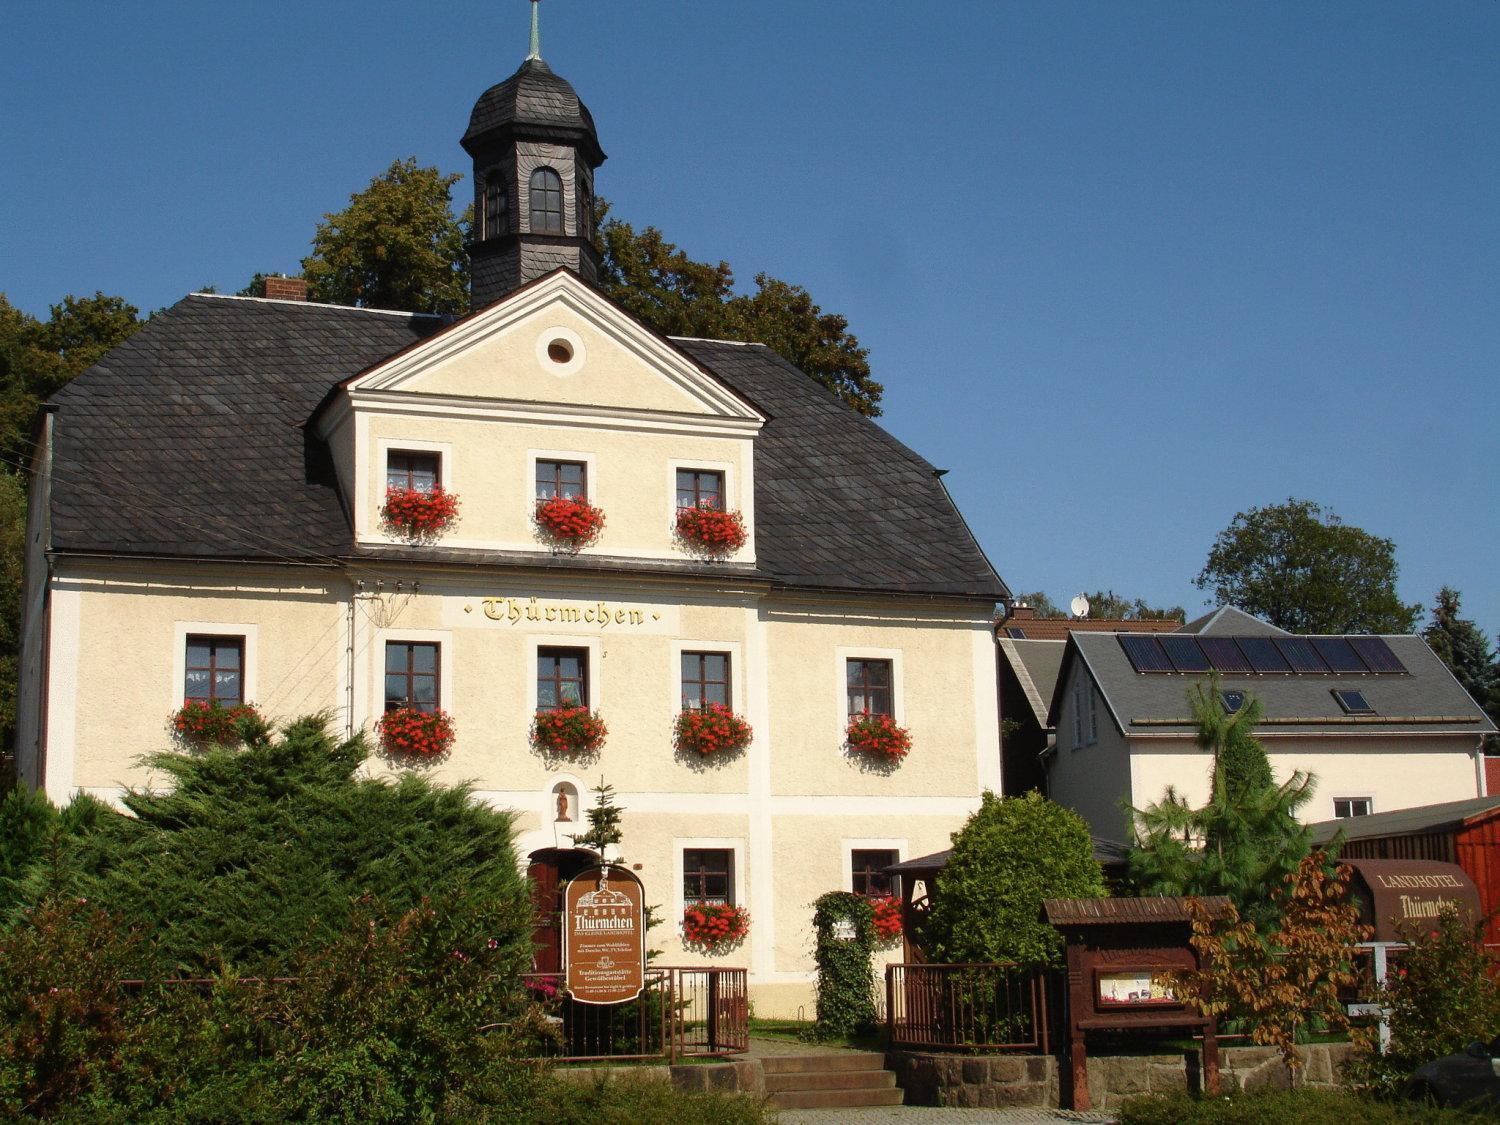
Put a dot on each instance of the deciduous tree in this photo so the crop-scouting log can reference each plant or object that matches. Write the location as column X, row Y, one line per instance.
column 1303, row 569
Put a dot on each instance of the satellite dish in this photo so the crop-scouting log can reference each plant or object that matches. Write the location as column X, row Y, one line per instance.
column 1080, row 606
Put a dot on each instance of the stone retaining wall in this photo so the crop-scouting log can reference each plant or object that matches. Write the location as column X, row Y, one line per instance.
column 930, row 1078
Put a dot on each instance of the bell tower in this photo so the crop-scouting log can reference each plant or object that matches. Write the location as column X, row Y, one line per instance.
column 535, row 153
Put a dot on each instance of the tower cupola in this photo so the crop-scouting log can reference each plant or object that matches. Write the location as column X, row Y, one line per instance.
column 535, row 152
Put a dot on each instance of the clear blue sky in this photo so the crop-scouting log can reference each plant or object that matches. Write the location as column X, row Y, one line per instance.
column 1125, row 269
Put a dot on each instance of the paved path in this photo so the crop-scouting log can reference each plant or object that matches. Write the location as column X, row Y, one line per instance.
column 915, row 1114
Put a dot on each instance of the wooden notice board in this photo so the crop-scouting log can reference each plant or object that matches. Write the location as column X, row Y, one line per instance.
column 604, row 936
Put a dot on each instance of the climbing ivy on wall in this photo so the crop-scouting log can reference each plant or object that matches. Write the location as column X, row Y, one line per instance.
column 844, row 925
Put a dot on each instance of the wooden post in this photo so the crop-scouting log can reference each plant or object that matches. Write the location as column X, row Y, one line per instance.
column 1079, row 1058
column 713, row 1011
column 1211, row 1086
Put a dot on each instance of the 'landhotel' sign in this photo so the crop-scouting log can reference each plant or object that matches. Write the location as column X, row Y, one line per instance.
column 1395, row 894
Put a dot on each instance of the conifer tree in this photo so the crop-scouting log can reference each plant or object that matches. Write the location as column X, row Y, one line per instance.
column 1462, row 645
column 604, row 823
column 1245, row 841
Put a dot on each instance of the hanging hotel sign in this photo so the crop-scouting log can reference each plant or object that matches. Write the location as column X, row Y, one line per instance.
column 604, row 936
column 1397, row 896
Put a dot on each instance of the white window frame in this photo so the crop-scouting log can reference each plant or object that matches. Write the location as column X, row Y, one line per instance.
column 731, row 496
column 732, row 649
column 1369, row 807
column 443, row 638
column 248, row 634
column 736, row 845
column 850, row 846
column 595, row 647
column 842, row 656
column 590, row 472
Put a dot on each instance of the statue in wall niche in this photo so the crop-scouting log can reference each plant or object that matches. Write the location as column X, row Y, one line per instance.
column 563, row 812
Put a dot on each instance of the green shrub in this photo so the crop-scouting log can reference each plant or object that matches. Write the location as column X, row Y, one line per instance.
column 1444, row 995
column 846, row 977
column 255, row 853
column 1009, row 856
column 639, row 1100
column 1283, row 1107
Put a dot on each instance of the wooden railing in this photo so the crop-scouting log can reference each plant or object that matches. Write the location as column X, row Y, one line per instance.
column 993, row 1006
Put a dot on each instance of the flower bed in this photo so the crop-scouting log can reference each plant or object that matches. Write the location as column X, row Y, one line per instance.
column 570, row 731
column 410, row 733
column 887, row 919
column 569, row 522
column 201, row 723
column 710, row 531
column 712, row 730
column 714, row 926
column 417, row 511
column 878, row 736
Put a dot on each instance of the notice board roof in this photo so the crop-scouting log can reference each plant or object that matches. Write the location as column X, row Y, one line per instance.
column 1121, row 911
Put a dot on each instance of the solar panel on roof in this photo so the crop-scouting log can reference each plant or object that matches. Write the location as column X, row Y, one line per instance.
column 1224, row 654
column 1263, row 654
column 1145, row 654
column 1376, row 654
column 1185, row 654
column 1300, row 654
column 1338, row 654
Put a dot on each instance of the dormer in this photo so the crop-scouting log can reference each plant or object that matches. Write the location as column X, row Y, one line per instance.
column 550, row 391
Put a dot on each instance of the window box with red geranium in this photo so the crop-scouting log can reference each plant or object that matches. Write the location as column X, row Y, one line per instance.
column 887, row 920
column 419, row 513
column 706, row 529
column 714, row 927
column 569, row 522
column 201, row 722
column 710, row 731
column 409, row 732
column 878, row 736
column 569, row 731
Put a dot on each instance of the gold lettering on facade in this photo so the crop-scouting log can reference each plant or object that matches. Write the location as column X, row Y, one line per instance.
column 512, row 611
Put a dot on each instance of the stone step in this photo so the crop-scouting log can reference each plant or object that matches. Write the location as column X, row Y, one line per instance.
column 835, row 1099
column 843, row 1060
column 830, row 1080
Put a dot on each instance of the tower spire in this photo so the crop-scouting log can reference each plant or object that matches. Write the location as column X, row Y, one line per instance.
column 536, row 33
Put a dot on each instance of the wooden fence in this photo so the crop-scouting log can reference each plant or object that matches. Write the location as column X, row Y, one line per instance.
column 993, row 1006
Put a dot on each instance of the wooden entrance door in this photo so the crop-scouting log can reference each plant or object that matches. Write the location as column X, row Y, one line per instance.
column 549, row 872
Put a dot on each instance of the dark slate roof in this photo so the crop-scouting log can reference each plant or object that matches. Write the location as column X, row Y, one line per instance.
column 1426, row 699
column 190, row 440
column 1231, row 622
column 532, row 99
column 1404, row 822
column 838, row 501
column 1036, row 665
column 1106, row 853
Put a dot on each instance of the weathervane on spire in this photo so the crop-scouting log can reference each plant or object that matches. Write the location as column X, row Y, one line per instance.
column 536, row 33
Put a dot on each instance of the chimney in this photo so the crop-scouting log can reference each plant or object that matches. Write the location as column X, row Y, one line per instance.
column 286, row 288
column 1020, row 611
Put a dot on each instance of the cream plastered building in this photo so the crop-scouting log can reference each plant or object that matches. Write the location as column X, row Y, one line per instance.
column 1380, row 722
column 207, row 511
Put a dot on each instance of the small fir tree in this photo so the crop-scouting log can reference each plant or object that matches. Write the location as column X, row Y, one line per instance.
column 604, row 823
column 1463, row 647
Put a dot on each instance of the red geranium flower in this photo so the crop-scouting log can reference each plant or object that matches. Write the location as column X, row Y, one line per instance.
column 408, row 732
column 714, row 926
column 712, row 729
column 709, row 530
column 201, row 723
column 887, row 919
column 568, row 730
column 878, row 736
column 419, row 512
column 570, row 522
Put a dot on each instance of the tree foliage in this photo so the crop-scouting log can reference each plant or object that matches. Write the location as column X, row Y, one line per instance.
column 604, row 823
column 657, row 282
column 1012, row 853
column 1463, row 647
column 1245, row 841
column 1303, row 569
column 1277, row 983
column 397, row 245
column 253, row 852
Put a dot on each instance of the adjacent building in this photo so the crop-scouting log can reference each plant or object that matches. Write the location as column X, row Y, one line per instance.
column 209, row 523
column 1380, row 721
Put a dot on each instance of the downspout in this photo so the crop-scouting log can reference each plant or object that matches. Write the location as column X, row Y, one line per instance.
column 355, row 588
column 1479, row 770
